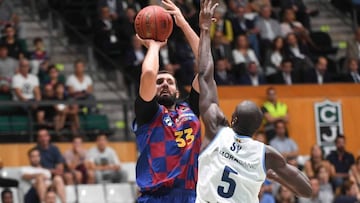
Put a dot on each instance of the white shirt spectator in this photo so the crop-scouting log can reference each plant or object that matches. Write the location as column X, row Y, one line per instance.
column 26, row 85
column 108, row 156
column 30, row 170
column 320, row 78
column 276, row 58
column 240, row 58
column 77, row 85
column 284, row 145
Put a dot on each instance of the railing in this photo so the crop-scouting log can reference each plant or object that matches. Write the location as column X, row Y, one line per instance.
column 127, row 106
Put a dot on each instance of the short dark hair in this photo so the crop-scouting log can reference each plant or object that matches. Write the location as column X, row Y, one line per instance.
column 77, row 61
column 3, row 193
column 101, row 135
column 32, row 150
column 339, row 137
column 79, row 137
column 286, row 60
column 37, row 40
column 277, row 123
column 269, row 89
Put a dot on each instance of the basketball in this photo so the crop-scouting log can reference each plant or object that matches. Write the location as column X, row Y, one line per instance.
column 153, row 22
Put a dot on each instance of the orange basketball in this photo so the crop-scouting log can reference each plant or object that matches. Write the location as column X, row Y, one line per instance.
column 153, row 22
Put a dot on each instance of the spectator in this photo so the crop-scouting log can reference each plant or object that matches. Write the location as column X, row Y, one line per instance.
column 222, row 27
column 43, row 73
column 25, row 85
column 221, row 50
column 285, row 145
column 246, row 28
column 298, row 52
column 302, row 13
column 50, row 197
column 326, row 189
column 127, row 30
column 243, row 53
column 252, row 76
column 273, row 110
column 342, row 161
column 45, row 114
column 40, row 178
column 290, row 25
column 317, row 160
column 286, row 75
column 75, row 164
column 103, row 160
column 50, row 156
column 16, row 47
column 7, row 196
column 269, row 29
column 352, row 48
column 8, row 16
column 38, row 55
column 274, row 56
column 315, row 197
column 8, row 68
column 353, row 75
column 80, row 85
column 135, row 4
column 355, row 172
column 348, row 193
column 284, row 195
column 116, row 9
column 65, row 112
column 107, row 33
column 319, row 74
column 223, row 75
column 54, row 77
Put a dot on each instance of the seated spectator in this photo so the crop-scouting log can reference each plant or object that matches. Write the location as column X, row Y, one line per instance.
column 221, row 50
column 43, row 73
column 246, row 28
column 80, row 85
column 116, row 9
column 290, row 25
column 103, row 160
column 348, row 193
column 298, row 52
column 284, row 195
column 7, row 196
column 38, row 55
column 326, row 189
column 40, row 178
column 273, row 110
column 50, row 196
column 342, row 161
column 315, row 196
column 355, row 172
column 353, row 75
column 252, row 76
column 54, row 77
column 319, row 74
column 64, row 112
column 50, row 156
column 285, row 145
column 75, row 164
column 243, row 53
column 352, row 48
column 274, row 56
column 222, row 73
column 25, row 85
column 286, row 75
column 45, row 114
column 269, row 29
column 16, row 47
column 223, row 27
column 8, row 68
column 317, row 160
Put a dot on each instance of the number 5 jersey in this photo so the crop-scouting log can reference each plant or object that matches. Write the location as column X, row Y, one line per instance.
column 231, row 169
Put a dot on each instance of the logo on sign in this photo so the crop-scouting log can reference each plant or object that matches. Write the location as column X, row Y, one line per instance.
column 329, row 125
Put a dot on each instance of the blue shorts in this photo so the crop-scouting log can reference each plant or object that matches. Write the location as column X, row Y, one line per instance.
column 174, row 196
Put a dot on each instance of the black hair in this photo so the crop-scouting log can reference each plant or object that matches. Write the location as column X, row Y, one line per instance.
column 3, row 193
column 32, row 150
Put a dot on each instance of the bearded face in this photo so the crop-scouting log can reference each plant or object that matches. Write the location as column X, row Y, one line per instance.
column 166, row 89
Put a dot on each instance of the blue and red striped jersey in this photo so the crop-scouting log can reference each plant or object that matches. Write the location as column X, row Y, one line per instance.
column 169, row 147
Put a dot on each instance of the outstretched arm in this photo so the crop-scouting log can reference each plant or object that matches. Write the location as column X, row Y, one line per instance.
column 286, row 174
column 149, row 70
column 210, row 112
column 189, row 33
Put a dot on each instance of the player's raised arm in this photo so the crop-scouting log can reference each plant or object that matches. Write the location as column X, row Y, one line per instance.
column 189, row 33
column 286, row 174
column 208, row 103
column 149, row 70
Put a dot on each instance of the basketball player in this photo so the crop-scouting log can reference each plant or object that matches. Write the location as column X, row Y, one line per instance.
column 233, row 167
column 167, row 132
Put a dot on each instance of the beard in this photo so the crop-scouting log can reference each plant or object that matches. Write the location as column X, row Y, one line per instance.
column 167, row 100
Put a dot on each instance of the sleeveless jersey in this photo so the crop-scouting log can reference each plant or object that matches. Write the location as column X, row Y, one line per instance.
column 231, row 169
column 169, row 147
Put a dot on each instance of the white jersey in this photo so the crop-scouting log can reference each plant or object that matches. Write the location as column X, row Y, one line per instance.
column 231, row 169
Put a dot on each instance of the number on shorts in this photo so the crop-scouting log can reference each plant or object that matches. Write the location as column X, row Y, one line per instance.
column 232, row 184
